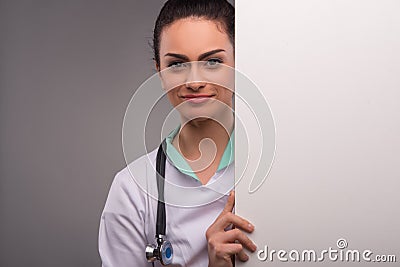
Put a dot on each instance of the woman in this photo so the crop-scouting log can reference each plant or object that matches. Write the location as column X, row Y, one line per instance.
column 187, row 32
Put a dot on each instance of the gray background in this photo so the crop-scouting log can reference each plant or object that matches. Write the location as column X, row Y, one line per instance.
column 330, row 71
column 67, row 72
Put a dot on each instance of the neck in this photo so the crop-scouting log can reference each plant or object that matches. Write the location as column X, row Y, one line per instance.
column 202, row 141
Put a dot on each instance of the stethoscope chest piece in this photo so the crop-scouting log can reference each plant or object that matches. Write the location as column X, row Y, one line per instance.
column 162, row 252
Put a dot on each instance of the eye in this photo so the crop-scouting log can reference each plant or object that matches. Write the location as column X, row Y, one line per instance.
column 213, row 62
column 177, row 64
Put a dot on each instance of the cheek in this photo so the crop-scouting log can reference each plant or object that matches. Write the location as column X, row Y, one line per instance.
column 225, row 95
column 173, row 97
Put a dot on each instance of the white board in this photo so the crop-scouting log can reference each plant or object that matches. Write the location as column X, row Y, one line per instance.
column 330, row 71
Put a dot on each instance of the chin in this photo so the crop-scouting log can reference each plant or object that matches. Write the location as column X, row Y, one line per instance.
column 213, row 111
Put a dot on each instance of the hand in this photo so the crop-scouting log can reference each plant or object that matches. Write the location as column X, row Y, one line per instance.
column 224, row 244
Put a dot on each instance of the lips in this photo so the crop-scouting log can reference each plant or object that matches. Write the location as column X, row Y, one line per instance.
column 197, row 98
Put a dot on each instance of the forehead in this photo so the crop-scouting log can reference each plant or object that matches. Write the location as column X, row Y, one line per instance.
column 193, row 36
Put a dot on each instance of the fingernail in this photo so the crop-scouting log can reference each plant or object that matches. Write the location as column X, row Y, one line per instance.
column 251, row 227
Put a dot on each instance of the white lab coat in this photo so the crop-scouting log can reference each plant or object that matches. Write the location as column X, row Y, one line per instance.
column 128, row 220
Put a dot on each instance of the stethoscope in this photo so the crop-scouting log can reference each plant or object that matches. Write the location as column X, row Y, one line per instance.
column 162, row 250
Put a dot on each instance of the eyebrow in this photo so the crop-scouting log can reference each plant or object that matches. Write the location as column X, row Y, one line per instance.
column 201, row 57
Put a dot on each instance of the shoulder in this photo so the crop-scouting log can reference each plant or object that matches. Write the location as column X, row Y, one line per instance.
column 131, row 184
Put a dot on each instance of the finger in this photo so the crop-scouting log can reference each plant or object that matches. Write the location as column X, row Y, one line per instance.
column 242, row 256
column 236, row 235
column 229, row 218
column 230, row 203
column 232, row 248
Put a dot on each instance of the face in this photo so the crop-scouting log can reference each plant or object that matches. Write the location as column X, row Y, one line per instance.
column 196, row 67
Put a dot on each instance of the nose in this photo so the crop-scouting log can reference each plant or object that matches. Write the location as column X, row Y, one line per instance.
column 195, row 86
column 194, row 81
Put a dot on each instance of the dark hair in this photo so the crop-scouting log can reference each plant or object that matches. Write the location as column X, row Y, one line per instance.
column 218, row 10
